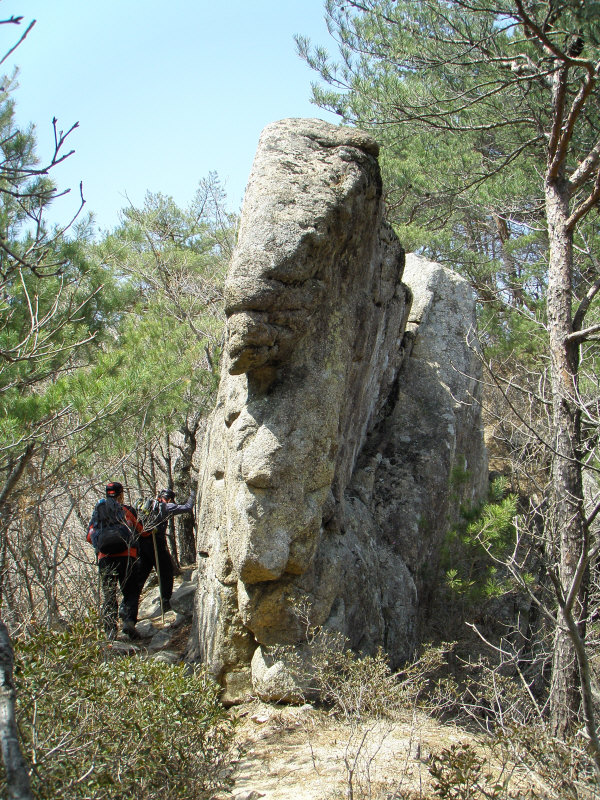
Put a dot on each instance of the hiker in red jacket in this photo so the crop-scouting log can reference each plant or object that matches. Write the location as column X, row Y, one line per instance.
column 114, row 531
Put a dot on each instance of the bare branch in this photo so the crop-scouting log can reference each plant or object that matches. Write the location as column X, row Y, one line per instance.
column 582, row 335
column 16, row 20
column 585, row 304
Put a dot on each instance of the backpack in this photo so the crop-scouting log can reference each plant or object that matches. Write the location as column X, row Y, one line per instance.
column 111, row 533
column 148, row 514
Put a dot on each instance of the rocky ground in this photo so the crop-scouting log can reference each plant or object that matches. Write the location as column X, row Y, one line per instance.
column 303, row 752
column 161, row 635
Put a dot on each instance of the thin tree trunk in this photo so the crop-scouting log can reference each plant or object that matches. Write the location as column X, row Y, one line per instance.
column 17, row 774
column 184, row 484
column 14, row 476
column 168, row 466
column 567, row 509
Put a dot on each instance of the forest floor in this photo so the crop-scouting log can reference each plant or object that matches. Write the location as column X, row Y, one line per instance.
column 307, row 753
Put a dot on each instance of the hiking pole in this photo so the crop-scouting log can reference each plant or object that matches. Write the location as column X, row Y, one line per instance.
column 156, row 566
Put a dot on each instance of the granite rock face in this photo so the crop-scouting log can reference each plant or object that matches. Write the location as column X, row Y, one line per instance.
column 328, row 456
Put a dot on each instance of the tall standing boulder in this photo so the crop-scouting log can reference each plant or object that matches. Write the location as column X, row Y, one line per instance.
column 293, row 509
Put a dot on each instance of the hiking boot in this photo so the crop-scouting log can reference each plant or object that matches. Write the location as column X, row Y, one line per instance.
column 129, row 629
column 156, row 611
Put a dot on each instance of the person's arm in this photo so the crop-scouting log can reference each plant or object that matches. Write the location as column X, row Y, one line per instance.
column 90, row 531
column 173, row 509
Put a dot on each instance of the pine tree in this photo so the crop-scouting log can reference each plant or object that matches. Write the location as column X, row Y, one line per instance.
column 489, row 115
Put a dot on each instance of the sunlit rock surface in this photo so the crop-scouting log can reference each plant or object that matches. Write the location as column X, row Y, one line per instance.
column 341, row 416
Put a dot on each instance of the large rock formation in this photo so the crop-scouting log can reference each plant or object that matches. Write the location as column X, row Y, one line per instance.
column 328, row 458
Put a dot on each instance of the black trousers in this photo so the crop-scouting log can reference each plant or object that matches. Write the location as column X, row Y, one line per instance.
column 122, row 572
column 147, row 563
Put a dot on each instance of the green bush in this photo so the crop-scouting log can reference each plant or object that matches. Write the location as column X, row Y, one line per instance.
column 96, row 724
column 459, row 773
column 484, row 535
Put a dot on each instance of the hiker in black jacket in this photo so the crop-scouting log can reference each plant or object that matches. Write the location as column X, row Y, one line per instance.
column 157, row 518
column 117, row 562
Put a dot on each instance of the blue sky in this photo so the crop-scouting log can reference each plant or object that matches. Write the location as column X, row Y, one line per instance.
column 164, row 92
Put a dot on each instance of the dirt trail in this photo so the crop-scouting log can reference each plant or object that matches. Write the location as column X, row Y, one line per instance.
column 303, row 753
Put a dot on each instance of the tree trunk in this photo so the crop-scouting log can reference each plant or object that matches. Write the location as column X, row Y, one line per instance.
column 168, row 466
column 17, row 775
column 566, row 519
column 184, row 484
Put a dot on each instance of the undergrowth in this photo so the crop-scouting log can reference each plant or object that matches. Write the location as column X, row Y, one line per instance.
column 96, row 724
column 511, row 757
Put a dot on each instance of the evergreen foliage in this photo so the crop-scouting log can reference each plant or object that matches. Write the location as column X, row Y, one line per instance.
column 489, row 116
column 474, row 549
column 461, row 116
column 50, row 307
column 165, row 351
column 106, row 348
